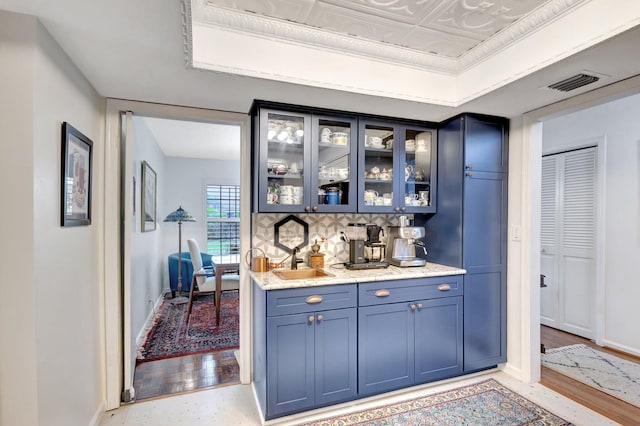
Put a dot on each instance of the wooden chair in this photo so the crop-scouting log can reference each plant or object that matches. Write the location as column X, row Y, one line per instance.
column 204, row 279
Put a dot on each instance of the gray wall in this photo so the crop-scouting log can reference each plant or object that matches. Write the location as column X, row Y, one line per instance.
column 51, row 315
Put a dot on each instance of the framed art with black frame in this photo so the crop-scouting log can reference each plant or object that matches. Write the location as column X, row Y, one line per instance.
column 75, row 194
column 148, row 199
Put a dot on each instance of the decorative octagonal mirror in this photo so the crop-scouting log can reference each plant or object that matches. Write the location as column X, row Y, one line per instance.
column 291, row 232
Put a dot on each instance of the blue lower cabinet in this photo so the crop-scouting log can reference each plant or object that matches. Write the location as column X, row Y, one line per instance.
column 402, row 344
column 385, row 348
column 311, row 360
column 439, row 339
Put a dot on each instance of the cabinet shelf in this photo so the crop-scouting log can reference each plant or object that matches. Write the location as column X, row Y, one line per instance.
column 287, row 176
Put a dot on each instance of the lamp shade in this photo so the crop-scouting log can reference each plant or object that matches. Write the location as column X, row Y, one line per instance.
column 180, row 215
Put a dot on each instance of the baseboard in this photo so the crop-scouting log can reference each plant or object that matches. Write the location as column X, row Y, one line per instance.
column 512, row 371
column 148, row 323
column 622, row 348
column 96, row 419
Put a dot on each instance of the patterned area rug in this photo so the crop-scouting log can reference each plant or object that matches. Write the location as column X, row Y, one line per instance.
column 610, row 374
column 170, row 337
column 487, row 403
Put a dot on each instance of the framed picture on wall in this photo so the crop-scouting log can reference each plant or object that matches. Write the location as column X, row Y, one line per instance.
column 75, row 194
column 148, row 198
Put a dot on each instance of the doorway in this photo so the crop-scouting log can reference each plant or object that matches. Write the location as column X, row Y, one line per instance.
column 120, row 351
column 196, row 168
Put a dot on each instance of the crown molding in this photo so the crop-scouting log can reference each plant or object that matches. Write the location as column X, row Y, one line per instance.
column 533, row 21
column 206, row 12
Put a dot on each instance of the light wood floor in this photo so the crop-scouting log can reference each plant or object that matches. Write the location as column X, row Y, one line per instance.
column 183, row 374
column 607, row 405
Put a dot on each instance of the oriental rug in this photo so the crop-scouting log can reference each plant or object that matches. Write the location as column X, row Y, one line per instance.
column 608, row 373
column 169, row 335
column 486, row 403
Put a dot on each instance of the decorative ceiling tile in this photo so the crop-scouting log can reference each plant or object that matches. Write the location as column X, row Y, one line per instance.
column 355, row 23
column 478, row 19
column 291, row 10
column 408, row 11
column 437, row 42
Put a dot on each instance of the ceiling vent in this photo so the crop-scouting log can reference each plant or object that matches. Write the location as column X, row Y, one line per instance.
column 574, row 82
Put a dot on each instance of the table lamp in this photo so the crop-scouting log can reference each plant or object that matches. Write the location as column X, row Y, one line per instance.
column 179, row 216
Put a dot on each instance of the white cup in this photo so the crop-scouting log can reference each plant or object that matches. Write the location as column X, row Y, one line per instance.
column 286, row 190
column 297, row 191
column 286, row 199
column 325, row 135
column 375, row 142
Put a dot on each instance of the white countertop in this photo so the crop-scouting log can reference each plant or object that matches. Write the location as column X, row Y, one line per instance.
column 340, row 275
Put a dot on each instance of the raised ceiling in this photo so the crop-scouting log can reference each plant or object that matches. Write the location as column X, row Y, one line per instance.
column 439, row 27
column 136, row 50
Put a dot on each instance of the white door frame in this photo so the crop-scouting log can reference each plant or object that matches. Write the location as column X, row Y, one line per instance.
column 524, row 271
column 113, row 286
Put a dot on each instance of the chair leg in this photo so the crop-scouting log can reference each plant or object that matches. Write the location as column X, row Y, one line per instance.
column 193, row 282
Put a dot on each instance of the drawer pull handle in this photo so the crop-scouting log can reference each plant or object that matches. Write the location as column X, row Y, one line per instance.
column 312, row 300
column 383, row 292
column 311, row 318
column 444, row 287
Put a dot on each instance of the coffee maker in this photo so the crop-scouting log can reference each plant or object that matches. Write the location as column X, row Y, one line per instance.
column 402, row 242
column 359, row 237
column 374, row 248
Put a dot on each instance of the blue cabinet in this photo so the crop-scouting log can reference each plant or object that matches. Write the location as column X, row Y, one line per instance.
column 308, row 356
column 469, row 229
column 404, row 340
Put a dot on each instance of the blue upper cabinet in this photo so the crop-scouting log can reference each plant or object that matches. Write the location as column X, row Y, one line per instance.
column 484, row 148
column 398, row 167
column 311, row 160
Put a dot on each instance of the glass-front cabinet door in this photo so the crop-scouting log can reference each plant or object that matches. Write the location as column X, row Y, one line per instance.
column 378, row 189
column 284, row 141
column 418, row 153
column 333, row 166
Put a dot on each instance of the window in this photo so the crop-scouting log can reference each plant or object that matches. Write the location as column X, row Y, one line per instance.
column 223, row 223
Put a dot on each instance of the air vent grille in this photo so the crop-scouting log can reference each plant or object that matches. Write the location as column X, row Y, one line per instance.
column 574, row 82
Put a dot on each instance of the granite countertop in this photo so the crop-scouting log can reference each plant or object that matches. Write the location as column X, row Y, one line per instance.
column 340, row 275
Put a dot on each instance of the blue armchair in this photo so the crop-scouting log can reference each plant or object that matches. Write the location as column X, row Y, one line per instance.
column 186, row 269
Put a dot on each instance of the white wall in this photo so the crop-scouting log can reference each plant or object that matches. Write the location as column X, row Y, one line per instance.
column 185, row 186
column 53, row 357
column 18, row 378
column 618, row 123
column 146, row 262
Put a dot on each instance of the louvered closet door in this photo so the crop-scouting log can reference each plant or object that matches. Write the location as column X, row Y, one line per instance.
column 568, row 238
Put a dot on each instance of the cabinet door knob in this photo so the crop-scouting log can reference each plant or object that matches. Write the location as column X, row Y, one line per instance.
column 313, row 299
column 419, row 305
column 469, row 166
column 383, row 292
column 307, row 209
column 403, row 208
column 315, row 208
column 444, row 287
column 320, row 317
column 397, row 209
column 311, row 318
column 412, row 306
column 469, row 174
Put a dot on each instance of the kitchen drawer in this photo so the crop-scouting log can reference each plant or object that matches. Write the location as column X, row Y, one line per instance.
column 380, row 292
column 311, row 299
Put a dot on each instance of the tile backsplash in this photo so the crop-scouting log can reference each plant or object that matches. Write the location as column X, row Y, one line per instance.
column 321, row 226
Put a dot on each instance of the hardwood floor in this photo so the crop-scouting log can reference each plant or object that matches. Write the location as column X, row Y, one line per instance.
column 607, row 405
column 188, row 373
